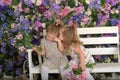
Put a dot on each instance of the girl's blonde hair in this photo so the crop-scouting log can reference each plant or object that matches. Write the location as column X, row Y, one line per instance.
column 55, row 27
column 70, row 38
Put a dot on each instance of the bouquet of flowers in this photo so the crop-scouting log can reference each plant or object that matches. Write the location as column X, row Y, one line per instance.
column 73, row 72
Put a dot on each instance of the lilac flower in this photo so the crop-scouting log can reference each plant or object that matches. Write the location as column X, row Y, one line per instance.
column 48, row 14
column 10, row 12
column 77, row 18
column 9, row 65
column 38, row 24
column 26, row 25
column 22, row 18
column 12, row 41
column 3, row 50
column 18, row 72
column 118, row 7
column 95, row 4
column 3, row 44
column 45, row 2
column 2, row 17
column 1, row 2
column 28, row 2
column 118, row 22
column 4, row 25
column 56, row 8
column 112, row 2
column 113, row 22
column 3, row 8
column 1, row 33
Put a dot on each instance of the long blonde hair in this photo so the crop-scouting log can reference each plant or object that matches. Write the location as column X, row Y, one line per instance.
column 70, row 38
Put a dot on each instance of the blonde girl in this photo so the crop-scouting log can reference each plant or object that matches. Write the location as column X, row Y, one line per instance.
column 53, row 58
column 72, row 45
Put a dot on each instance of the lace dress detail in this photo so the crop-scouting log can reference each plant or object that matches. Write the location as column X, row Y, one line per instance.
column 53, row 57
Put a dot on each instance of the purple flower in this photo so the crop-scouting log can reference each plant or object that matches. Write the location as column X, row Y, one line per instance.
column 1, row 34
column 17, row 13
column 26, row 24
column 22, row 18
column 3, row 8
column 9, row 66
column 38, row 24
column 3, row 44
column 2, row 17
column 12, row 41
column 95, row 4
column 118, row 22
column 4, row 25
column 113, row 22
column 28, row 2
column 10, row 12
column 112, row 2
column 45, row 2
column 118, row 7
column 18, row 72
column 56, row 8
column 3, row 50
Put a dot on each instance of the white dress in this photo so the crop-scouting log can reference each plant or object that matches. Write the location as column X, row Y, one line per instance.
column 74, row 62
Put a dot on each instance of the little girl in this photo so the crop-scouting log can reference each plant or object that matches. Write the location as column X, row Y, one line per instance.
column 52, row 57
column 73, row 46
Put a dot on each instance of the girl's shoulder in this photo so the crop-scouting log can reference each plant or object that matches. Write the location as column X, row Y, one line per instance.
column 43, row 41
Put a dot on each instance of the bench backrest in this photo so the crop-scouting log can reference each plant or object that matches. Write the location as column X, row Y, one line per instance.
column 100, row 40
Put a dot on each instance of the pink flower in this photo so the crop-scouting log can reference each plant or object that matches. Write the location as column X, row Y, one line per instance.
column 79, row 9
column 70, row 23
column 38, row 24
column 20, row 7
column 64, row 12
column 48, row 14
column 19, row 36
column 26, row 10
column 74, row 66
column 83, row 75
column 85, row 19
column 21, row 48
column 7, row 2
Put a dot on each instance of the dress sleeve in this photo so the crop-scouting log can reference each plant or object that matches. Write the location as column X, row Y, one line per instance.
column 42, row 42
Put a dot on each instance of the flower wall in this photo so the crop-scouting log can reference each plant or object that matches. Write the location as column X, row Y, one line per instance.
column 22, row 23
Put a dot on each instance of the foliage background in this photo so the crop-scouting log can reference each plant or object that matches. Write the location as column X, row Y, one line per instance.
column 22, row 23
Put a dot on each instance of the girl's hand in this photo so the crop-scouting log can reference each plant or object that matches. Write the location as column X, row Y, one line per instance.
column 34, row 48
column 56, row 39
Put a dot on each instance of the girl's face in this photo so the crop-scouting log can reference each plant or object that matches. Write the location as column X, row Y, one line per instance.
column 61, row 35
column 51, row 37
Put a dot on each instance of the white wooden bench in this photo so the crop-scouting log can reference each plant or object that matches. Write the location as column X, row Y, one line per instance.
column 102, row 40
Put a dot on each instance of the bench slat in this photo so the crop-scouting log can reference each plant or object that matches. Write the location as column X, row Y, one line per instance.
column 97, row 30
column 106, row 68
column 100, row 40
column 103, row 51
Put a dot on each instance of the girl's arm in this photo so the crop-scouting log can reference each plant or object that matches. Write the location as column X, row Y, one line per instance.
column 81, row 57
column 42, row 52
column 60, row 45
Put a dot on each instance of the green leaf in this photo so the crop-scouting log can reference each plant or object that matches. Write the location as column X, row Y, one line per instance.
column 82, row 1
column 15, row 2
column 102, row 2
column 1, row 55
column 71, row 3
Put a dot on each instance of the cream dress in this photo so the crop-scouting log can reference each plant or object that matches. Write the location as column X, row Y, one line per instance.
column 53, row 58
column 75, row 60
